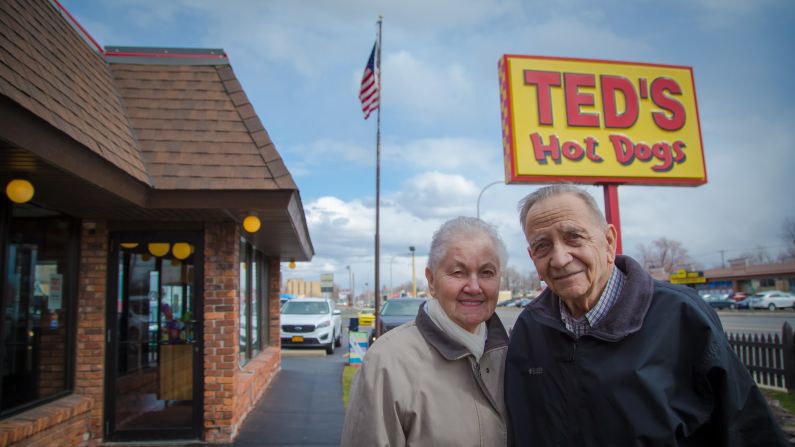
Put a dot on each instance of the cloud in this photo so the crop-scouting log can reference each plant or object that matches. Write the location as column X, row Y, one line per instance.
column 425, row 89
column 451, row 154
column 437, row 195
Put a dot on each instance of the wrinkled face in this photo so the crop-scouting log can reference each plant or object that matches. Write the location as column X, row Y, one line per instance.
column 571, row 250
column 467, row 281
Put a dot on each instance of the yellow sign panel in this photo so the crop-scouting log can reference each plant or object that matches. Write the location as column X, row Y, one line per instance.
column 698, row 280
column 591, row 121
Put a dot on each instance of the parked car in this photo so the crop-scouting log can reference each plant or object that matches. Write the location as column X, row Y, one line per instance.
column 772, row 300
column 366, row 317
column 522, row 302
column 744, row 303
column 396, row 312
column 720, row 301
column 738, row 296
column 311, row 322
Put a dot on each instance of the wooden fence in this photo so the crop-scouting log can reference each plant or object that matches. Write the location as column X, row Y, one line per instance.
column 769, row 358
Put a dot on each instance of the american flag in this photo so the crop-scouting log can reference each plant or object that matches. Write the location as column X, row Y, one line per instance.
column 368, row 93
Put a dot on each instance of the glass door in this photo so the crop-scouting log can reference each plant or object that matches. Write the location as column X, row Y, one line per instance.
column 154, row 347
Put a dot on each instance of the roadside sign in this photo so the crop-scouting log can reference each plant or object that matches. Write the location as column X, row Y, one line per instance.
column 598, row 121
column 327, row 282
column 357, row 346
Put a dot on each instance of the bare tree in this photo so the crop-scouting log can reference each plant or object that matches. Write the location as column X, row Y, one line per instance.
column 666, row 254
column 759, row 255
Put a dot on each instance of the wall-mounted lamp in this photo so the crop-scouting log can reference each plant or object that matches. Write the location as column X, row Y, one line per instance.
column 181, row 250
column 291, row 264
column 19, row 191
column 251, row 223
column 158, row 249
column 129, row 245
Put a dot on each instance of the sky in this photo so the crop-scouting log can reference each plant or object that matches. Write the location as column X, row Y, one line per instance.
column 301, row 62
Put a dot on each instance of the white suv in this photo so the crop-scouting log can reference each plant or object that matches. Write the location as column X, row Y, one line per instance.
column 311, row 322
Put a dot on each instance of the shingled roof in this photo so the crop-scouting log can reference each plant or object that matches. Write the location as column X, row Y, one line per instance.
column 137, row 133
column 48, row 69
column 195, row 125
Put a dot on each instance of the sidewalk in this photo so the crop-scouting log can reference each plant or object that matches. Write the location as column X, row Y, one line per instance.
column 303, row 405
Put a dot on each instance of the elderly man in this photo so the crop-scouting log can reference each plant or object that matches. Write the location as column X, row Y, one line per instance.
column 607, row 356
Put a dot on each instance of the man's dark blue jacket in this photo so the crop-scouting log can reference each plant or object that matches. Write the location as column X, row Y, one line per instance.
column 656, row 371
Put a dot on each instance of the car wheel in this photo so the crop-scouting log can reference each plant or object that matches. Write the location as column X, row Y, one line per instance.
column 338, row 341
column 771, row 307
column 330, row 347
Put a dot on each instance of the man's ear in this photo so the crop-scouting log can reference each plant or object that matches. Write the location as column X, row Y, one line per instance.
column 611, row 236
column 429, row 278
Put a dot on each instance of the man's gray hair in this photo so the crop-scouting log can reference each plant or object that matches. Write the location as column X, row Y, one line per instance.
column 556, row 190
column 463, row 227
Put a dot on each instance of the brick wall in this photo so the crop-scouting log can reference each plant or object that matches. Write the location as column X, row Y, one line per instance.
column 221, row 326
column 65, row 422
column 92, row 292
column 274, row 290
column 230, row 392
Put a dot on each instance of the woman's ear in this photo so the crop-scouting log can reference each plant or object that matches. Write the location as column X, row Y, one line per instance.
column 429, row 278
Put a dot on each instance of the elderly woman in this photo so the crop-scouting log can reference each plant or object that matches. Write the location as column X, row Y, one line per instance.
column 438, row 380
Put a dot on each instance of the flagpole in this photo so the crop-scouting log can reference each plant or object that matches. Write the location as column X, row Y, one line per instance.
column 377, row 311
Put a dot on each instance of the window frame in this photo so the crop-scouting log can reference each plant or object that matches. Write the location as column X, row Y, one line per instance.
column 71, row 286
column 249, row 350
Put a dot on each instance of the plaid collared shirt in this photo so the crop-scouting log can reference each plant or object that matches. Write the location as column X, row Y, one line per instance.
column 583, row 325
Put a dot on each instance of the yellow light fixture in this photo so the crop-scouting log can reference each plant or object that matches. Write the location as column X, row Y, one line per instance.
column 181, row 250
column 129, row 245
column 251, row 223
column 158, row 249
column 291, row 264
column 19, row 191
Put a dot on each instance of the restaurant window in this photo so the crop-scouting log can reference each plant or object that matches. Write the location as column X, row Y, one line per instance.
column 244, row 293
column 39, row 269
column 253, row 302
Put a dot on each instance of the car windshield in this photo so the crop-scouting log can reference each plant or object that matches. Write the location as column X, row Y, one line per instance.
column 305, row 308
column 401, row 308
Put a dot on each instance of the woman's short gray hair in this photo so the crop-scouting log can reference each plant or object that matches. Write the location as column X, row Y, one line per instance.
column 461, row 227
column 556, row 190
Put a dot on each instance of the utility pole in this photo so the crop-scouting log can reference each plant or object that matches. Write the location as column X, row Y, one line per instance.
column 413, row 274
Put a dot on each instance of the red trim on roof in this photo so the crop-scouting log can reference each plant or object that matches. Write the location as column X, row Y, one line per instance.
column 79, row 27
column 162, row 55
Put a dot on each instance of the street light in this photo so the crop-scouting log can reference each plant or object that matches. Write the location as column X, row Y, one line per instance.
column 350, row 286
column 413, row 274
column 481, row 195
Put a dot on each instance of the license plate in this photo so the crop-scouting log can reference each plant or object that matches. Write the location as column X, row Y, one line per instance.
column 297, row 339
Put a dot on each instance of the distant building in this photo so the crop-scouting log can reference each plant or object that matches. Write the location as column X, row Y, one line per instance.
column 740, row 277
column 301, row 288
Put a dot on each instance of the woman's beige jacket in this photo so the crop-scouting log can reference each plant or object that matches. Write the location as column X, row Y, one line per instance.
column 417, row 387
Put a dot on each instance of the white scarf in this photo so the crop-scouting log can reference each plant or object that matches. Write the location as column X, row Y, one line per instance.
column 474, row 342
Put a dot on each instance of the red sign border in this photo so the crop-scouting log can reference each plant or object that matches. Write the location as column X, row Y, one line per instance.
column 509, row 149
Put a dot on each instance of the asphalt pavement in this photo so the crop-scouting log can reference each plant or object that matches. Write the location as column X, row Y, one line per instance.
column 303, row 405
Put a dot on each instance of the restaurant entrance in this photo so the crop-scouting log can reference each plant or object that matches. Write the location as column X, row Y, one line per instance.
column 154, row 336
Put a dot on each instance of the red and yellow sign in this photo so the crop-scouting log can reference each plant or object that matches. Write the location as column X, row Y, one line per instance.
column 591, row 121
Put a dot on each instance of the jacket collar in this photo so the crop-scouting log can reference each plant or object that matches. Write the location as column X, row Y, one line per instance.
column 625, row 317
column 451, row 350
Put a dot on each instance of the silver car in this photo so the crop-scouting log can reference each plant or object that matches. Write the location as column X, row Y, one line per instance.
column 772, row 300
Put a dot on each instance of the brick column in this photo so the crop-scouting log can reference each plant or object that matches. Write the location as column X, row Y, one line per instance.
column 274, row 292
column 92, row 292
column 221, row 328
